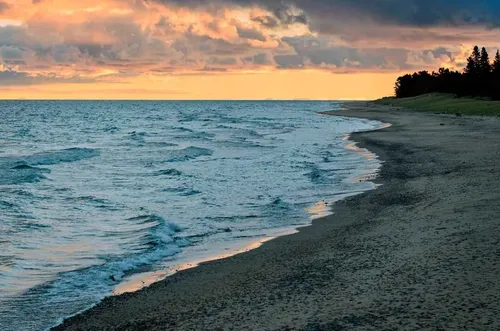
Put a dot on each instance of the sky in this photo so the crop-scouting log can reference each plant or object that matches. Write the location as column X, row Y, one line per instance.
column 232, row 49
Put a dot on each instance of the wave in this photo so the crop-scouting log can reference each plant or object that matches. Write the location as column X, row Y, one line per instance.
column 190, row 193
column 135, row 134
column 61, row 156
column 182, row 191
column 181, row 129
column 160, row 232
column 196, row 136
column 158, row 241
column 22, row 174
column 188, row 118
column 231, row 218
column 93, row 201
column 240, row 133
column 243, row 143
column 137, row 137
column 90, row 198
column 21, row 193
column 93, row 283
column 246, row 133
column 264, row 119
column 197, row 238
column 276, row 206
column 328, row 156
column 23, row 169
column 229, row 119
column 111, row 129
column 32, row 225
column 167, row 172
column 279, row 204
column 161, row 144
column 7, row 205
column 317, row 175
column 188, row 153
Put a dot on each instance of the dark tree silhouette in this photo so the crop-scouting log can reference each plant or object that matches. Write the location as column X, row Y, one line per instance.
column 484, row 79
column 496, row 65
column 479, row 79
column 473, row 66
column 484, row 63
column 495, row 77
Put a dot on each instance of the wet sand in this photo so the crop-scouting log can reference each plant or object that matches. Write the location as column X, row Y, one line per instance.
column 422, row 252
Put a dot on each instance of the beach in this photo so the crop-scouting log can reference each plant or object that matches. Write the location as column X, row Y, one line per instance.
column 420, row 252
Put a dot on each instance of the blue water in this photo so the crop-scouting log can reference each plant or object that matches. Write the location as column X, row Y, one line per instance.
column 95, row 192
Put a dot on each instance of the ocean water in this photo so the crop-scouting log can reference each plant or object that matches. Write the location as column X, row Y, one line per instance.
column 96, row 194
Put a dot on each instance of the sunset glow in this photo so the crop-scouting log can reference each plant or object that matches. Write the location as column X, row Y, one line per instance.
column 160, row 49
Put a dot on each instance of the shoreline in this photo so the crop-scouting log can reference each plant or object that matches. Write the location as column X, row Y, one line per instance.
column 338, row 272
column 325, row 211
column 140, row 281
column 131, row 283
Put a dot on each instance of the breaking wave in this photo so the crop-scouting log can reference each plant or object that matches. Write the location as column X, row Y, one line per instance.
column 188, row 153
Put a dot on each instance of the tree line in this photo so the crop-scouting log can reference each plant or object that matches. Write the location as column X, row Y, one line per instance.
column 480, row 78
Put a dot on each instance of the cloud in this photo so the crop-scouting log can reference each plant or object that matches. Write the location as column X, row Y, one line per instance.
column 9, row 53
column 250, row 34
column 15, row 78
column 92, row 39
column 4, row 6
column 258, row 59
column 399, row 12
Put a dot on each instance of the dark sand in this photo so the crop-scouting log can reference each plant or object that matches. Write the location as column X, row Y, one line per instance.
column 422, row 252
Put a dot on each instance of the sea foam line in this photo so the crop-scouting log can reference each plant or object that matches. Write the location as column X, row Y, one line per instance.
column 140, row 281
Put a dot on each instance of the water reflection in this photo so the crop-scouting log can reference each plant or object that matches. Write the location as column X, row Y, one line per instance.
column 138, row 281
column 319, row 210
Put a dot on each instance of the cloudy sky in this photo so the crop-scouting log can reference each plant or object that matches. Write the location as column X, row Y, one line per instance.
column 232, row 49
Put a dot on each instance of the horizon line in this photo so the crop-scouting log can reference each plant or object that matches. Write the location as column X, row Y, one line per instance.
column 178, row 100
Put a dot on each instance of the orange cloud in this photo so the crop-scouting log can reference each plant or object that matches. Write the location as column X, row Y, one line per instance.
column 123, row 45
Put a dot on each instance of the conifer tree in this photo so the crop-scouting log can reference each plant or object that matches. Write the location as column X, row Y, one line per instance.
column 484, row 63
column 480, row 78
column 496, row 65
column 473, row 62
column 495, row 82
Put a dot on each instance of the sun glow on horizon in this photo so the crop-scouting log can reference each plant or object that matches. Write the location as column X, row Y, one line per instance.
column 169, row 49
column 278, row 85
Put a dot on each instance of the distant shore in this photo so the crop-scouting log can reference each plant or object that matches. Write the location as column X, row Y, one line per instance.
column 420, row 252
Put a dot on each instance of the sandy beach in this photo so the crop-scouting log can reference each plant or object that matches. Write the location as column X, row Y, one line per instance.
column 421, row 252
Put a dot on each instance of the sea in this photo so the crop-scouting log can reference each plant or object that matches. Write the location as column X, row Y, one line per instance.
column 99, row 198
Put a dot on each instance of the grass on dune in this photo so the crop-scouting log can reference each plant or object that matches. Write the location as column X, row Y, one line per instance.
column 445, row 103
